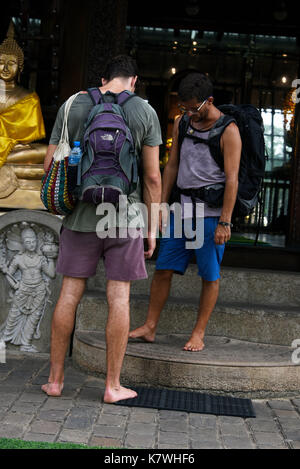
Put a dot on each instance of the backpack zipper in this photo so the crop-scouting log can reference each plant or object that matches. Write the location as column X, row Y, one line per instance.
column 116, row 136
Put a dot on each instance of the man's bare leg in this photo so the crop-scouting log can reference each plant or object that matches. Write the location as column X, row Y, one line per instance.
column 160, row 289
column 117, row 329
column 208, row 299
column 62, row 327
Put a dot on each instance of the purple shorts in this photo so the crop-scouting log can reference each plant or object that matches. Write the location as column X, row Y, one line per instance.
column 80, row 252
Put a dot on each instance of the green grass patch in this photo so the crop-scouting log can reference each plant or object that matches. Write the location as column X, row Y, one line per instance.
column 11, row 443
column 245, row 241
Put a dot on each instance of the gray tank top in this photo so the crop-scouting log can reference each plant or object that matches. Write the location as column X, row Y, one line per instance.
column 197, row 168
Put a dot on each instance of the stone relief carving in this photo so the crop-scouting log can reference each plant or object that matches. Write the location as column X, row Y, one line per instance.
column 27, row 260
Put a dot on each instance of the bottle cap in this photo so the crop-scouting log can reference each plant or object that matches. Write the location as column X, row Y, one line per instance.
column 76, row 143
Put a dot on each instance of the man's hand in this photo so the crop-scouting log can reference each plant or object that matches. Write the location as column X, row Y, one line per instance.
column 222, row 234
column 151, row 247
column 163, row 219
column 3, row 268
column 49, row 155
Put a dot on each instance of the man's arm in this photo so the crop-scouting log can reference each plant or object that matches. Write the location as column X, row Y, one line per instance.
column 151, row 192
column 171, row 168
column 55, row 136
column 232, row 146
column 49, row 156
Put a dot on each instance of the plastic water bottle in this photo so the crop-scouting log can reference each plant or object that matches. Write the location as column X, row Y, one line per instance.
column 75, row 155
column 74, row 167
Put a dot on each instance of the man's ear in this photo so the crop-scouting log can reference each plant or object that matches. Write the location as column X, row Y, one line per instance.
column 104, row 81
column 133, row 82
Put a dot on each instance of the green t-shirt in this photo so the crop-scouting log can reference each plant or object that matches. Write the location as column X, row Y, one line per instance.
column 144, row 125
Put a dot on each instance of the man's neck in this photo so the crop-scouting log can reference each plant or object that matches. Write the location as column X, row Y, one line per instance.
column 209, row 120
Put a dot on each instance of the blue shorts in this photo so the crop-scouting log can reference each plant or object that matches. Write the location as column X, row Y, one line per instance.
column 173, row 254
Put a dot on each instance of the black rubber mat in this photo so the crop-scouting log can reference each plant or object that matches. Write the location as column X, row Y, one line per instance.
column 189, row 401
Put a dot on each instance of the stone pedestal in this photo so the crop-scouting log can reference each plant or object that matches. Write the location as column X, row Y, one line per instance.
column 21, row 198
column 29, row 285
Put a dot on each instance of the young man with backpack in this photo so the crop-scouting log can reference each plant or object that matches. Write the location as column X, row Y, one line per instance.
column 193, row 167
column 80, row 245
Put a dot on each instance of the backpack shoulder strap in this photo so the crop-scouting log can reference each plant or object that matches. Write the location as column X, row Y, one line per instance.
column 123, row 97
column 182, row 130
column 215, row 137
column 95, row 95
column 221, row 125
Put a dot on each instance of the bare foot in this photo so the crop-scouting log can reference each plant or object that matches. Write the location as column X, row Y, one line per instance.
column 195, row 344
column 53, row 389
column 143, row 332
column 112, row 395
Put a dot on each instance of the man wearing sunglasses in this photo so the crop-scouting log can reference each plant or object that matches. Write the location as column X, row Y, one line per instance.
column 192, row 166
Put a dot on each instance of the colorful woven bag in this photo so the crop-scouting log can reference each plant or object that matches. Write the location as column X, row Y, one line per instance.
column 54, row 192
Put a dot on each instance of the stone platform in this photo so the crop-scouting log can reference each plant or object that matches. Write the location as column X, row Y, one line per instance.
column 248, row 343
column 225, row 366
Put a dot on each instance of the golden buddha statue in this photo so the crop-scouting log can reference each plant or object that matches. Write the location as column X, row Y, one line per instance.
column 21, row 123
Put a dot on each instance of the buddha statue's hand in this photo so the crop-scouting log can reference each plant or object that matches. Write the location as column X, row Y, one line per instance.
column 33, row 153
column 50, row 251
column 21, row 146
column 51, row 255
column 15, row 284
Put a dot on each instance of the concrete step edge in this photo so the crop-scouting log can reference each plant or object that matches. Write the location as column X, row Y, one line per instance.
column 96, row 339
column 249, row 270
column 172, row 300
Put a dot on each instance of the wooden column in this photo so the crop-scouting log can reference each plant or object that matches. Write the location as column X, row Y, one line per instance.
column 93, row 31
column 294, row 231
column 106, row 36
column 75, row 33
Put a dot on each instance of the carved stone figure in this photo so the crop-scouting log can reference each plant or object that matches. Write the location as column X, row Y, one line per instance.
column 28, row 273
column 21, row 124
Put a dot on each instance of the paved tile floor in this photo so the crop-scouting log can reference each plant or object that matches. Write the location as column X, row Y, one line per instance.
column 80, row 416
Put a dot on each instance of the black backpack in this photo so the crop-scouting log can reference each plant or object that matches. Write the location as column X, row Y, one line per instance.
column 253, row 157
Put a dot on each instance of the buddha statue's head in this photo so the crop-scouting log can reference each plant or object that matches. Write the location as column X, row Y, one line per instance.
column 11, row 57
column 29, row 239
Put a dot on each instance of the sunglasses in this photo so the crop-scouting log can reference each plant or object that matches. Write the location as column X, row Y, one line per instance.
column 192, row 111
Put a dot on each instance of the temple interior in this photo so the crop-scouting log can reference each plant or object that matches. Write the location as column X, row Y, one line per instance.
column 251, row 53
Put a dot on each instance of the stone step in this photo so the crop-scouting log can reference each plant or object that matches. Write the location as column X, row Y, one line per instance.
column 225, row 366
column 255, row 323
column 237, row 285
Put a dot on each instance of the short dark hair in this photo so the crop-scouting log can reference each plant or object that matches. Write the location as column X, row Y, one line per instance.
column 195, row 85
column 121, row 66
